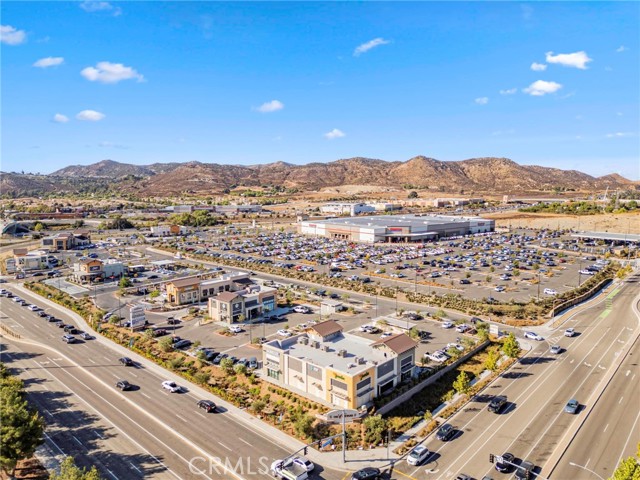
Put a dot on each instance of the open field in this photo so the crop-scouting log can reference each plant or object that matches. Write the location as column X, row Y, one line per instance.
column 619, row 223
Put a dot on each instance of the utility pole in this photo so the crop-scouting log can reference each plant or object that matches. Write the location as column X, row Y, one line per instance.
column 344, row 438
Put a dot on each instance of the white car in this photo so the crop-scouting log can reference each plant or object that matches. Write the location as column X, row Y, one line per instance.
column 500, row 288
column 533, row 336
column 235, row 329
column 304, row 463
column 457, row 346
column 418, row 455
column 173, row 387
column 587, row 272
column 447, row 324
column 33, row 308
column 438, row 356
column 570, row 332
column 301, row 309
column 556, row 349
column 283, row 333
column 462, row 328
column 386, row 335
column 550, row 291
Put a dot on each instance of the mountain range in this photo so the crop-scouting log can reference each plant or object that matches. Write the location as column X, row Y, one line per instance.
column 480, row 175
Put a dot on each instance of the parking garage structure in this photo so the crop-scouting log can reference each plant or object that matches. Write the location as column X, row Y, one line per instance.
column 396, row 228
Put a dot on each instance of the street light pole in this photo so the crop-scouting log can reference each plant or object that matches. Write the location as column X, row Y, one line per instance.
column 585, row 468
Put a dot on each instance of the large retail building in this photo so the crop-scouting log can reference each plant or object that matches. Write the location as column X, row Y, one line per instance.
column 396, row 228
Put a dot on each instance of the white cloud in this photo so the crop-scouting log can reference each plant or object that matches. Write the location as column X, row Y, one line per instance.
column 49, row 62
column 12, row 36
column 620, row 135
column 107, row 72
column 333, row 134
column 538, row 67
column 59, row 118
column 510, row 91
column 621, row 49
column 576, row 60
column 90, row 116
column 272, row 106
column 541, row 87
column 482, row 100
column 365, row 47
column 93, row 6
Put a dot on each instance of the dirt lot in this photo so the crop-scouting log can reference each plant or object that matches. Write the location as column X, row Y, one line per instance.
column 619, row 223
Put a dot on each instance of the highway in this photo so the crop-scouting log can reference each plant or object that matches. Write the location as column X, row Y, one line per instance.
column 143, row 433
column 534, row 426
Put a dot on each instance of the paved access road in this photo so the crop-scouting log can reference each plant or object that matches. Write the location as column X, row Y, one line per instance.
column 534, row 426
column 143, row 433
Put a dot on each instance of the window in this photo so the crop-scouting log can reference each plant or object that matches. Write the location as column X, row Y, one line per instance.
column 385, row 368
column 364, row 383
column 273, row 373
column 338, row 384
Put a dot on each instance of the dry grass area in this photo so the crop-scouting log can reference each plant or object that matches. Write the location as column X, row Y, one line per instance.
column 610, row 222
column 29, row 469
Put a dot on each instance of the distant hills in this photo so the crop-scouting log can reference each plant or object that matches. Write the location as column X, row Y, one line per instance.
column 479, row 175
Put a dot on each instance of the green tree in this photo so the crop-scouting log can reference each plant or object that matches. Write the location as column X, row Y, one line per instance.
column 491, row 362
column 412, row 194
column 461, row 384
column 414, row 333
column 120, row 223
column 69, row 471
column 166, row 344
column 304, row 425
column 258, row 406
column 227, row 365
column 511, row 347
column 22, row 428
column 240, row 369
column 125, row 282
column 375, row 428
column 149, row 334
column 628, row 469
column 38, row 227
column 154, row 294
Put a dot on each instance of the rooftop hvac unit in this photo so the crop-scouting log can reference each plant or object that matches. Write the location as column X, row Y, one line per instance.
column 303, row 340
column 361, row 360
column 342, row 353
column 315, row 344
column 325, row 348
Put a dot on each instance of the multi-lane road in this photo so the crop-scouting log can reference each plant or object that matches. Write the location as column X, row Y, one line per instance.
column 148, row 433
column 143, row 433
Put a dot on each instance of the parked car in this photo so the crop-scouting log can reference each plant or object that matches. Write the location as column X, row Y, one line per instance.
column 235, row 329
column 447, row 324
column 301, row 309
column 123, row 385
column 368, row 473
column 283, row 333
column 418, row 455
column 172, row 321
column 572, row 406
column 207, row 405
column 171, row 386
column 550, row 291
column 182, row 344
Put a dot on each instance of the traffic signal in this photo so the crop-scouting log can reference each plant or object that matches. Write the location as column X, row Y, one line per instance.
column 492, row 458
column 304, row 451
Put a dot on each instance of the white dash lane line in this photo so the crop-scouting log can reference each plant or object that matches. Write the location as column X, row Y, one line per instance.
column 223, row 445
column 620, row 401
column 605, row 428
column 91, row 361
column 145, row 395
column 244, row 441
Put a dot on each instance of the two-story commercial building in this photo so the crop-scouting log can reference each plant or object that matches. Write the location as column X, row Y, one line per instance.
column 88, row 271
column 248, row 303
column 344, row 370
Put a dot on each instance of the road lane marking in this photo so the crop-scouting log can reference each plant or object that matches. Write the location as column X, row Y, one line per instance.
column 605, row 428
column 222, row 444
column 133, row 374
column 620, row 401
column 136, row 468
column 244, row 441
column 404, row 474
column 601, row 367
column 91, row 361
column 112, row 474
column 585, row 465
column 54, row 443
column 76, row 439
column 182, row 418
column 99, row 436
column 631, row 433
column 145, row 395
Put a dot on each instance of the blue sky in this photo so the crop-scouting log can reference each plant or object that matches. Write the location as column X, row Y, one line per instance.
column 552, row 84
